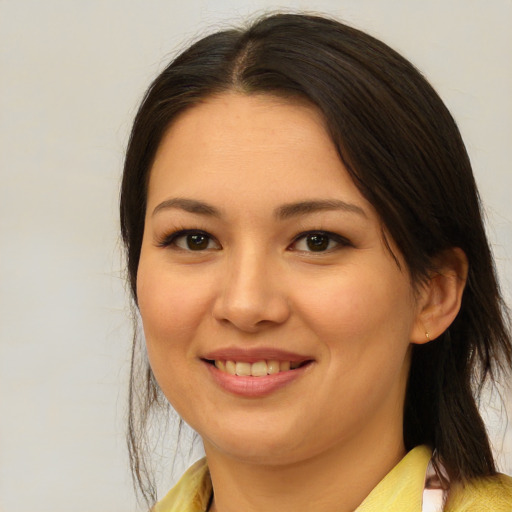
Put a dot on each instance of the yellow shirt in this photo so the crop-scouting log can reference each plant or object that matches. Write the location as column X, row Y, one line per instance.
column 401, row 490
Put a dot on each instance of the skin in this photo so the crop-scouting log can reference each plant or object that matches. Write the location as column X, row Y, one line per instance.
column 329, row 436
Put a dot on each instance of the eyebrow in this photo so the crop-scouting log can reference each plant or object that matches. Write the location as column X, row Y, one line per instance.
column 304, row 207
column 188, row 205
column 283, row 212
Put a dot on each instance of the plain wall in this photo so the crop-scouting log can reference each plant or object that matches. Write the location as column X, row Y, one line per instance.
column 71, row 76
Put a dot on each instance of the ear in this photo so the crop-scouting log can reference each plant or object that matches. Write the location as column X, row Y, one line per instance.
column 440, row 296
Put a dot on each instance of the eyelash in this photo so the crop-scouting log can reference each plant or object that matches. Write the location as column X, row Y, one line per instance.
column 340, row 241
column 332, row 237
column 170, row 239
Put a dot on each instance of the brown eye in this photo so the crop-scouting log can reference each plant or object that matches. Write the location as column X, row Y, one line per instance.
column 197, row 242
column 317, row 242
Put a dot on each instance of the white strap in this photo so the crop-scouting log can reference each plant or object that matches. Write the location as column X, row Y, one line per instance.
column 434, row 495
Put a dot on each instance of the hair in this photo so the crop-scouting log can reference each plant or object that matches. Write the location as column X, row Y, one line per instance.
column 405, row 154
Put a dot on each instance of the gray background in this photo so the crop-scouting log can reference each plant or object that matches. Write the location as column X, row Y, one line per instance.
column 71, row 75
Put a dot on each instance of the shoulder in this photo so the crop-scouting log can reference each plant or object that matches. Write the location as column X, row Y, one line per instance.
column 192, row 492
column 482, row 494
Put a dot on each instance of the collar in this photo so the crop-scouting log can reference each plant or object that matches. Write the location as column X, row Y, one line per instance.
column 191, row 494
column 401, row 489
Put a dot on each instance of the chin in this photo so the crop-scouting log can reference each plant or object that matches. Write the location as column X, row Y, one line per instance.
column 263, row 446
column 252, row 442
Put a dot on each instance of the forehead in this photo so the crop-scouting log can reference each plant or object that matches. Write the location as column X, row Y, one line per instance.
column 246, row 142
column 250, row 124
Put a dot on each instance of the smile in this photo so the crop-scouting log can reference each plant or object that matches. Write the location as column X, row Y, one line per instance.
column 256, row 369
column 257, row 378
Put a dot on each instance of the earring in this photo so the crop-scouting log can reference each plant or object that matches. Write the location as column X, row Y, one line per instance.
column 427, row 335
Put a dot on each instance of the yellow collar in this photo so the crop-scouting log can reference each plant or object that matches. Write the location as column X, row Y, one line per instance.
column 191, row 494
column 401, row 489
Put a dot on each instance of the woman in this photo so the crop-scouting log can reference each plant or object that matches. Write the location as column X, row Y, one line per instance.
column 306, row 250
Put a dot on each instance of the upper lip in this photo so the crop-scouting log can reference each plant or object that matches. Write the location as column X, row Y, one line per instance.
column 252, row 355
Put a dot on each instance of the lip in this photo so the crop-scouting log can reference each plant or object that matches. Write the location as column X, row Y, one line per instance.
column 254, row 355
column 254, row 387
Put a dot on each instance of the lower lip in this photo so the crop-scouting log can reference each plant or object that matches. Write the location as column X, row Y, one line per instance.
column 253, row 387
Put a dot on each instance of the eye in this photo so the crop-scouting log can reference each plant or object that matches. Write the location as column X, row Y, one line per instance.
column 318, row 241
column 190, row 240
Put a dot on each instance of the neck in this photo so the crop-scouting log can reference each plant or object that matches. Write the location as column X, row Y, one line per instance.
column 335, row 481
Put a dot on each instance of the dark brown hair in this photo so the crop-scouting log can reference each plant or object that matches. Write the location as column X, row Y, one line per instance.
column 405, row 154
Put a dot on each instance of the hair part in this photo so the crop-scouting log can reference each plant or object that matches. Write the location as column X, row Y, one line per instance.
column 404, row 152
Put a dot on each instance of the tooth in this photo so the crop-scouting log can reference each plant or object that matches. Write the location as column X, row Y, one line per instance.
column 259, row 369
column 220, row 365
column 230, row 367
column 243, row 369
column 294, row 365
column 272, row 367
column 284, row 366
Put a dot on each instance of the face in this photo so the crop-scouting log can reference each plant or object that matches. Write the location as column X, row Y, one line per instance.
column 277, row 323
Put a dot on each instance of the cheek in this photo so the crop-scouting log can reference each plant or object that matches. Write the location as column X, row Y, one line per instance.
column 353, row 297
column 359, row 312
column 173, row 310
column 363, row 322
column 172, row 305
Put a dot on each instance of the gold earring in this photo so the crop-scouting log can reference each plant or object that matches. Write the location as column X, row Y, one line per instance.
column 427, row 335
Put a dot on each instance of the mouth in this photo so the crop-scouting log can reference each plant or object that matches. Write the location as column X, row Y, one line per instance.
column 260, row 368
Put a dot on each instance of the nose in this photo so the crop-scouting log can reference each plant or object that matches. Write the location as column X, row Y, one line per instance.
column 251, row 295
